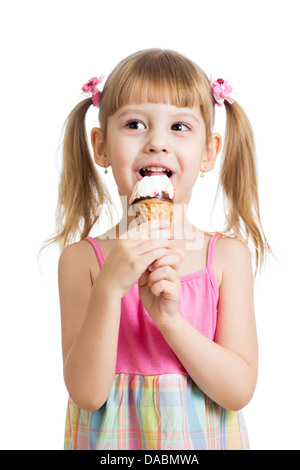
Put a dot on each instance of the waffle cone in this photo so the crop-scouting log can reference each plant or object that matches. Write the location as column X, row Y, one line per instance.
column 153, row 208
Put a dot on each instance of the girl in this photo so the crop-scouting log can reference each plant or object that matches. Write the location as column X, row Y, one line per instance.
column 159, row 341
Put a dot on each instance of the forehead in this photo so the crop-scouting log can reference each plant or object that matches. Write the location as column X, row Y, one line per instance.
column 159, row 92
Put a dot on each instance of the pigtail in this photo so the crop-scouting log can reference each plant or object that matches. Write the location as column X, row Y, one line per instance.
column 238, row 180
column 81, row 193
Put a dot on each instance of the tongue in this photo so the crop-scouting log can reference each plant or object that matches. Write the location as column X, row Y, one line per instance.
column 154, row 173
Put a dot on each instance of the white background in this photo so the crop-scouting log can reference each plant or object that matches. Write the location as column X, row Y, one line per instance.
column 48, row 51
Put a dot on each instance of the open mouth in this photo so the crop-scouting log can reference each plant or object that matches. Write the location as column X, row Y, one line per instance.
column 154, row 171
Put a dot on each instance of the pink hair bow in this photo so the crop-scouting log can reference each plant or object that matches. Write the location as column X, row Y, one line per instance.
column 222, row 91
column 90, row 87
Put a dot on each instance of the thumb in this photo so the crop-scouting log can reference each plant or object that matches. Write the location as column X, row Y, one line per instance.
column 144, row 278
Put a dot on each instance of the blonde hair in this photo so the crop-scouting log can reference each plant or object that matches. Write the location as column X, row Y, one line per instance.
column 159, row 76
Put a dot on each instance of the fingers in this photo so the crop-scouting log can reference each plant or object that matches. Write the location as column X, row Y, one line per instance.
column 153, row 254
column 161, row 287
column 149, row 236
column 163, row 280
column 163, row 273
column 174, row 258
column 159, row 253
column 149, row 247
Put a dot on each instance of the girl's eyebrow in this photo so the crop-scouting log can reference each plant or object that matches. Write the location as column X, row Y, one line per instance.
column 129, row 111
column 179, row 115
column 186, row 115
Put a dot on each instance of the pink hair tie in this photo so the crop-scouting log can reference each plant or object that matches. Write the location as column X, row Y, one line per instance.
column 222, row 91
column 90, row 89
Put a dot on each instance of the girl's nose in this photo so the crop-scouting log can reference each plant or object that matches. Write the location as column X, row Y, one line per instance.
column 157, row 149
column 157, row 143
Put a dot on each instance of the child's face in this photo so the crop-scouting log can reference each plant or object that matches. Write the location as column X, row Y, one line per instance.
column 149, row 135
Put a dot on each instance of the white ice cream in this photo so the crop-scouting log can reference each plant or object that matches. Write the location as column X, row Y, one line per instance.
column 151, row 186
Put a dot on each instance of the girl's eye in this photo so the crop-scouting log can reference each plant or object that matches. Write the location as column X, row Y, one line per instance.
column 180, row 126
column 136, row 125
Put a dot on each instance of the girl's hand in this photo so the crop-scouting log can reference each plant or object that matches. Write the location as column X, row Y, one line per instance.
column 159, row 287
column 132, row 253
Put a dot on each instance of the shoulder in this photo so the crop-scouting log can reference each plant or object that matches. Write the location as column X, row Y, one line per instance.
column 232, row 256
column 76, row 253
column 228, row 247
column 78, row 257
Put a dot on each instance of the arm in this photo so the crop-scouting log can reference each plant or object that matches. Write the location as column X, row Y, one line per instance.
column 90, row 324
column 90, row 313
column 225, row 370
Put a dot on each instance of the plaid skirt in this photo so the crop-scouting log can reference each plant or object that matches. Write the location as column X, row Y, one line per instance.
column 160, row 412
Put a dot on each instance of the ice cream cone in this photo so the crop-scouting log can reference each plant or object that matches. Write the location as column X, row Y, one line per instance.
column 153, row 208
column 152, row 198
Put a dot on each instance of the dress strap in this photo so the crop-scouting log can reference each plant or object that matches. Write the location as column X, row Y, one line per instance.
column 97, row 249
column 211, row 251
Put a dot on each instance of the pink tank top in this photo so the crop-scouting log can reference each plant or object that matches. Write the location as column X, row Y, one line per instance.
column 141, row 347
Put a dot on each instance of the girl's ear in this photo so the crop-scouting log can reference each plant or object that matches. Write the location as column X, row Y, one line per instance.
column 212, row 150
column 100, row 157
